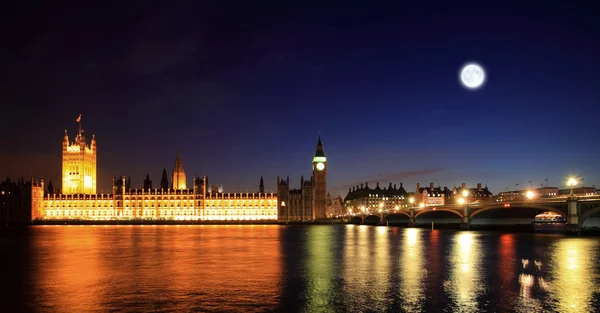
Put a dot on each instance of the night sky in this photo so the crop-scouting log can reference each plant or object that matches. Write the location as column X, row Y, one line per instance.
column 243, row 89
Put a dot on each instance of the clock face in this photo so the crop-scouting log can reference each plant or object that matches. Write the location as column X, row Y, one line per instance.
column 320, row 166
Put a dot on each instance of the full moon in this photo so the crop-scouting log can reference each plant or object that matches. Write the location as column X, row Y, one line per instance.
column 472, row 76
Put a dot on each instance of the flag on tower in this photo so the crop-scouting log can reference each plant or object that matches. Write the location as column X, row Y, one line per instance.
column 78, row 118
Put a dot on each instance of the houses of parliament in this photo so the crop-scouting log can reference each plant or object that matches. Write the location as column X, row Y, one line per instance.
column 173, row 200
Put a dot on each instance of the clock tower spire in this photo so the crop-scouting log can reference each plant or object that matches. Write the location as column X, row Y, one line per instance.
column 319, row 182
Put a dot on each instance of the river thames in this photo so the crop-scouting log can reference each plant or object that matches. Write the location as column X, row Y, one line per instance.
column 272, row 268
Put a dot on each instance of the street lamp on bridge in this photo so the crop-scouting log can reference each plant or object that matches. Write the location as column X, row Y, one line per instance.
column 530, row 194
column 571, row 183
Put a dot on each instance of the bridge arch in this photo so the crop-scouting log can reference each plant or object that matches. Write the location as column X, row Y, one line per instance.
column 371, row 219
column 439, row 210
column 397, row 213
column 540, row 208
column 594, row 210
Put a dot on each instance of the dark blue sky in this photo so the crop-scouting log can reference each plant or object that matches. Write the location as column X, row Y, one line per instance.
column 244, row 89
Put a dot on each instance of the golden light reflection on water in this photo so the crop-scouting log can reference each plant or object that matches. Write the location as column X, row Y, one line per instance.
column 380, row 251
column 87, row 269
column 357, row 264
column 319, row 265
column 573, row 274
column 465, row 276
column 413, row 271
column 312, row 269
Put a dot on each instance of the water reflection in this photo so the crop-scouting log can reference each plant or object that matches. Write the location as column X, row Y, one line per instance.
column 87, row 269
column 574, row 271
column 320, row 273
column 295, row 269
column 413, row 271
column 465, row 273
column 357, row 267
column 380, row 250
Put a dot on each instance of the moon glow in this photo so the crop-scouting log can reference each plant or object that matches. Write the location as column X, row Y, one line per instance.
column 472, row 76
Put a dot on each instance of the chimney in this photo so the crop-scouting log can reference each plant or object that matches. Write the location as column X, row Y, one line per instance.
column 463, row 186
column 478, row 186
column 430, row 185
column 377, row 184
column 367, row 185
column 361, row 186
column 394, row 186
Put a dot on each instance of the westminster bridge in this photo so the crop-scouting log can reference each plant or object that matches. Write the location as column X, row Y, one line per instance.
column 575, row 210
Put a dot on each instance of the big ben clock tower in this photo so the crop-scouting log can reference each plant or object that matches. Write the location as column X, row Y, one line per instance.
column 320, row 182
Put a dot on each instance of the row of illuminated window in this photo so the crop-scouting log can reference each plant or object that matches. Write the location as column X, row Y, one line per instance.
column 74, row 205
column 385, row 197
column 154, row 212
column 240, row 201
column 78, row 213
column 160, row 198
column 239, row 218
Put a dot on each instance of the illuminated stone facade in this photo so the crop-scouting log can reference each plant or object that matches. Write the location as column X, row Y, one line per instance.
column 432, row 196
column 78, row 201
column 178, row 179
column 310, row 201
column 363, row 199
column 78, row 164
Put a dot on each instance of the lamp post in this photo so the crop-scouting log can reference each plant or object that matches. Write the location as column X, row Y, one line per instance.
column 530, row 194
column 463, row 201
column 412, row 201
column 571, row 183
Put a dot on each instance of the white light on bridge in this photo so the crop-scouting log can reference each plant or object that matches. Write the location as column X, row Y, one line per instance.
column 530, row 194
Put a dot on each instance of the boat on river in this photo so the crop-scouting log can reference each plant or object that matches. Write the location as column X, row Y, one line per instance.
column 549, row 222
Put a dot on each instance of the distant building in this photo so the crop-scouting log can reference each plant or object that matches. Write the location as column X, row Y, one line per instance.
column 79, row 201
column 364, row 199
column 579, row 191
column 521, row 195
column 17, row 198
column 309, row 202
column 477, row 194
column 431, row 196
column 545, row 192
column 335, row 206
column 79, row 164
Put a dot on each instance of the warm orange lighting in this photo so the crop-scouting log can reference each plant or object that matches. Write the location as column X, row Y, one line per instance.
column 530, row 194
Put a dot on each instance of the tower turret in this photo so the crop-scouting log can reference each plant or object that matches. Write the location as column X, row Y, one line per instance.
column 261, row 187
column 319, row 182
column 164, row 181
column 147, row 183
column 178, row 180
column 79, row 164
